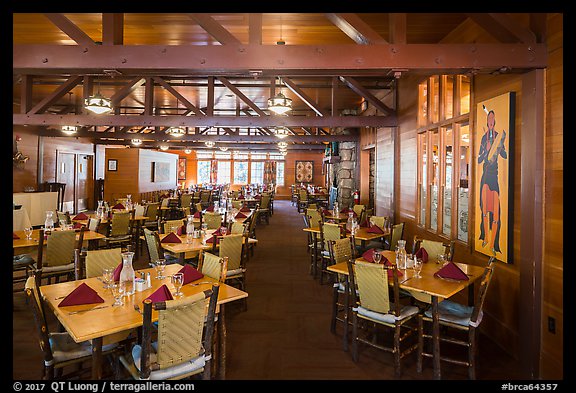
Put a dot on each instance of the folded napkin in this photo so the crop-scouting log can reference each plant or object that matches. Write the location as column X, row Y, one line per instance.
column 196, row 215
column 375, row 229
column 83, row 294
column 422, row 254
column 257, row 197
column 81, row 216
column 119, row 206
column 386, row 262
column 345, row 210
column 365, row 224
column 77, row 225
column 190, row 274
column 161, row 294
column 369, row 255
column 326, row 212
column 210, row 240
column 240, row 215
column 181, row 230
column 245, row 209
column 210, row 209
column 241, row 197
column 15, row 236
column 116, row 273
column 451, row 271
column 171, row 238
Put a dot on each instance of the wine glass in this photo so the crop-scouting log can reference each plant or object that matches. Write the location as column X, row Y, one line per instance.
column 223, row 231
column 107, row 276
column 160, row 265
column 441, row 259
column 28, row 233
column 116, row 293
column 177, row 281
column 377, row 256
column 417, row 267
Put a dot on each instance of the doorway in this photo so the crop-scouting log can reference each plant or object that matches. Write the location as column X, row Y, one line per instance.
column 76, row 171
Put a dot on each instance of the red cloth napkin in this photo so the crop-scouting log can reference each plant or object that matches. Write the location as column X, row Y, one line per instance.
column 116, row 274
column 83, row 294
column 211, row 241
column 257, row 197
column 190, row 274
column 161, row 294
column 240, row 196
column 181, row 230
column 171, row 238
column 81, row 216
column 15, row 236
column 422, row 254
column 365, row 224
column 369, row 255
column 451, row 271
column 375, row 229
column 77, row 225
column 196, row 215
column 245, row 209
column 119, row 206
column 210, row 209
column 326, row 212
column 386, row 262
column 240, row 215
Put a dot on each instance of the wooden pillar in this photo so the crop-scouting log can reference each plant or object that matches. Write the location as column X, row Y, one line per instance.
column 532, row 220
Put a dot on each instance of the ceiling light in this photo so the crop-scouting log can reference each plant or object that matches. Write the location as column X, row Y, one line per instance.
column 187, row 151
column 176, row 131
column 209, row 144
column 136, row 142
column 283, row 152
column 223, row 148
column 280, row 104
column 98, row 104
column 69, row 130
column 281, row 132
column 282, row 145
column 163, row 147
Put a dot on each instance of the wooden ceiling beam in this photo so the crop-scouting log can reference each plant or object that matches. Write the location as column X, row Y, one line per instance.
column 112, row 29
column 215, row 29
column 200, row 145
column 355, row 28
column 280, row 59
column 56, row 95
column 371, row 98
column 70, row 29
column 503, row 28
column 241, row 95
column 127, row 90
column 255, row 29
column 204, row 121
column 304, row 97
column 398, row 28
column 179, row 96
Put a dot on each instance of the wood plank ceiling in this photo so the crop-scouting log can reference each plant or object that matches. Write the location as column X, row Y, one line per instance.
column 213, row 73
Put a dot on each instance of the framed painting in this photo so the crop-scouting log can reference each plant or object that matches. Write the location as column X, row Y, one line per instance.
column 112, row 165
column 304, row 171
column 493, row 198
column 160, row 172
column 182, row 168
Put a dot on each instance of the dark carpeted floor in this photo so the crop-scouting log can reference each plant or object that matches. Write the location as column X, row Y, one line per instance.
column 284, row 334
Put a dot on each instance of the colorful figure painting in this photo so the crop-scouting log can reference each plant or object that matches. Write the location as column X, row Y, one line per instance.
column 494, row 131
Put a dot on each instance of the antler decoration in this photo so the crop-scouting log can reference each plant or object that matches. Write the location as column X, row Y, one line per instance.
column 18, row 158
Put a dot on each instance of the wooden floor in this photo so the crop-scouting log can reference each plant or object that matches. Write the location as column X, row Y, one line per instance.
column 284, row 334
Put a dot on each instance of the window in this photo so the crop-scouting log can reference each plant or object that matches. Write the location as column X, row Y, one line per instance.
column 257, row 172
column 223, row 172
column 203, row 175
column 444, row 155
column 240, row 172
column 279, row 173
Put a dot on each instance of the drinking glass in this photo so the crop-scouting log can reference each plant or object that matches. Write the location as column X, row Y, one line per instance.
column 177, row 281
column 28, row 233
column 160, row 265
column 417, row 267
column 117, row 294
column 377, row 256
column 441, row 259
column 107, row 276
column 223, row 231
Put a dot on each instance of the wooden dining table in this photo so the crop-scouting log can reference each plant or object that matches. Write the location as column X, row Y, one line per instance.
column 98, row 321
column 23, row 245
column 437, row 288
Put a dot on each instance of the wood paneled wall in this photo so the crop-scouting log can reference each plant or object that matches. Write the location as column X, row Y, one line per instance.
column 125, row 179
column 290, row 170
column 26, row 175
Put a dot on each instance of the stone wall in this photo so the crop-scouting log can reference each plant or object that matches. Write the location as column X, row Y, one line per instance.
column 344, row 173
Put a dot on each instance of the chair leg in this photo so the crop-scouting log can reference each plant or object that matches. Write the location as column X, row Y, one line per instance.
column 397, row 365
column 354, row 338
column 420, row 344
column 334, row 309
column 472, row 336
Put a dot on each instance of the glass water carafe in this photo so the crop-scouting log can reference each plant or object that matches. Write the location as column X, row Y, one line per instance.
column 401, row 254
column 189, row 229
column 49, row 222
column 127, row 274
column 100, row 210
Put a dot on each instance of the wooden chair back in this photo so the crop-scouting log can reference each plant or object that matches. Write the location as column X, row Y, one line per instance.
column 212, row 220
column 63, row 218
column 60, row 247
column 93, row 224
column 153, row 244
column 213, row 266
column 434, row 248
column 314, row 215
column 186, row 200
column 152, row 211
column 231, row 247
column 341, row 250
column 329, row 231
column 484, row 284
column 96, row 260
column 121, row 223
column 378, row 220
column 31, row 287
column 171, row 225
column 397, row 234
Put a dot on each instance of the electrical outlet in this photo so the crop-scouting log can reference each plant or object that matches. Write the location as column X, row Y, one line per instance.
column 552, row 325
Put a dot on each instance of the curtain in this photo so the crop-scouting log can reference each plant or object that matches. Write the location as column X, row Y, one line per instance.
column 269, row 172
column 214, row 172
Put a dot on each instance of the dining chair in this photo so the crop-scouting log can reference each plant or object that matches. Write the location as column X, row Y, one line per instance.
column 205, row 199
column 302, row 200
column 397, row 233
column 56, row 260
column 152, row 214
column 120, row 229
column 63, row 218
column 237, row 204
column 155, row 250
column 238, row 227
column 360, row 211
column 171, row 225
column 328, row 231
column 372, row 305
column 341, row 250
column 213, row 266
column 96, row 260
column 59, row 349
column 456, row 321
column 434, row 248
column 314, row 215
column 293, row 195
column 183, row 347
column 212, row 220
column 93, row 224
column 139, row 210
column 186, row 200
column 264, row 208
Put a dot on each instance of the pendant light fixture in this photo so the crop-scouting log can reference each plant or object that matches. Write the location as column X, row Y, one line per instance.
column 176, row 131
column 187, row 151
column 280, row 104
column 209, row 143
column 136, row 142
column 163, row 147
column 282, row 145
column 223, row 148
column 69, row 130
column 98, row 103
column 281, row 132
